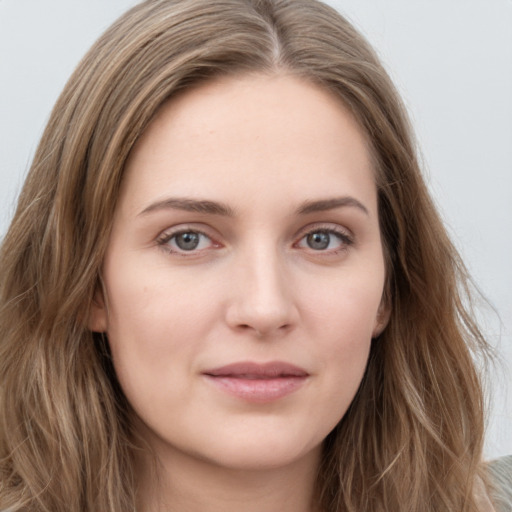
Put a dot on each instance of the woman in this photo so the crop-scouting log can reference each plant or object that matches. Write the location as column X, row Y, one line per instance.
column 226, row 286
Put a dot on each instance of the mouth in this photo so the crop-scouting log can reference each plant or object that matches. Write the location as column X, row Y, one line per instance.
column 258, row 383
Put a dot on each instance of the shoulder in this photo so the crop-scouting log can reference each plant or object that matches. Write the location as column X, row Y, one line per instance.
column 500, row 478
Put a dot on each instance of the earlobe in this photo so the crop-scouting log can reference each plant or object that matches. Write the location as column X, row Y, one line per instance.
column 382, row 319
column 98, row 317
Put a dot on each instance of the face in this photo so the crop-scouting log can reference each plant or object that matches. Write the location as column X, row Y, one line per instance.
column 244, row 272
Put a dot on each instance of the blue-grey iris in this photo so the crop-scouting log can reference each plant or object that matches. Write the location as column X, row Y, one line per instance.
column 318, row 240
column 187, row 241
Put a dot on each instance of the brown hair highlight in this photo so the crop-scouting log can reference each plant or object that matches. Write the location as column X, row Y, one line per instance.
column 412, row 438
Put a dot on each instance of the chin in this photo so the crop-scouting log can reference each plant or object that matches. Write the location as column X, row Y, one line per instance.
column 250, row 450
column 256, row 457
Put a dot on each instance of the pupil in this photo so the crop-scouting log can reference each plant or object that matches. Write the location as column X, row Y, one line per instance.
column 318, row 241
column 187, row 241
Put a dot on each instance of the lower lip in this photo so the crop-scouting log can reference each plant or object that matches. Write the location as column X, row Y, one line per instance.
column 258, row 390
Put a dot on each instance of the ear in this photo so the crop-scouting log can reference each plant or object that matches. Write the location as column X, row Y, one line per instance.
column 98, row 317
column 382, row 318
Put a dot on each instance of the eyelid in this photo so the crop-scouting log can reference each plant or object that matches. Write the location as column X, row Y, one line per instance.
column 345, row 235
column 325, row 226
column 168, row 234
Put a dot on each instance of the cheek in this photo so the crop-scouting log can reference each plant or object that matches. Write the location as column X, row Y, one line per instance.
column 153, row 301
column 156, row 327
column 342, row 315
column 345, row 307
column 343, row 350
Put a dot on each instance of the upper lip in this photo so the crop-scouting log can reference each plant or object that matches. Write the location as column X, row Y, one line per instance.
column 253, row 370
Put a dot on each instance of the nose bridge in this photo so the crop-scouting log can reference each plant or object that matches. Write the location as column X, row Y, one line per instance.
column 263, row 301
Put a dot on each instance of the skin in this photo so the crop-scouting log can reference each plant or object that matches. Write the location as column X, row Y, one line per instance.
column 273, row 150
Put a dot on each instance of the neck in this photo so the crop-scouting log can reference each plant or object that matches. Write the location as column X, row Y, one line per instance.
column 182, row 483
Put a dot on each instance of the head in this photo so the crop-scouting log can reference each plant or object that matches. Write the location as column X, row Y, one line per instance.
column 419, row 374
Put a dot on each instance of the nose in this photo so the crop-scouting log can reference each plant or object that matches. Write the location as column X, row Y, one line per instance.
column 262, row 302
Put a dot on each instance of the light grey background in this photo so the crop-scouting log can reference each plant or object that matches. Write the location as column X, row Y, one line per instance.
column 452, row 61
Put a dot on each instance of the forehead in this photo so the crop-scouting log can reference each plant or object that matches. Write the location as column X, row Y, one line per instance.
column 260, row 132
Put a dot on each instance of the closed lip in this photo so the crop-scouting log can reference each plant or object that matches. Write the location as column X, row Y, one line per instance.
column 253, row 370
column 257, row 383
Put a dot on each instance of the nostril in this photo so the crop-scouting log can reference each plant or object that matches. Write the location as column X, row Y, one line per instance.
column 261, row 332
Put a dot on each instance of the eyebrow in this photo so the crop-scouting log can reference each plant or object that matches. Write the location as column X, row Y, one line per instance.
column 331, row 204
column 216, row 208
column 190, row 205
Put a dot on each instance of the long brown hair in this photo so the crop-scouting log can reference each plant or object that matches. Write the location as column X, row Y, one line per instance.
column 412, row 438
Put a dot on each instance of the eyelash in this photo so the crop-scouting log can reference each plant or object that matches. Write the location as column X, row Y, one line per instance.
column 166, row 237
column 346, row 240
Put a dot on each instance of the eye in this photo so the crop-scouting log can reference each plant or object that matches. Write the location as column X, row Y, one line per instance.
column 185, row 241
column 325, row 240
